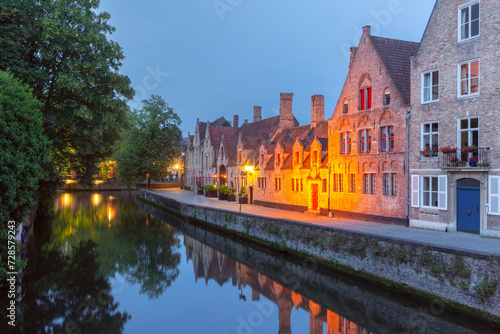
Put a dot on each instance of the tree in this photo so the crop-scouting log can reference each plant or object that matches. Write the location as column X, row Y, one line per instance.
column 61, row 49
column 23, row 155
column 150, row 143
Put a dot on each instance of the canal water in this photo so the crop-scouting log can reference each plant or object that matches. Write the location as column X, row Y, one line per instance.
column 107, row 263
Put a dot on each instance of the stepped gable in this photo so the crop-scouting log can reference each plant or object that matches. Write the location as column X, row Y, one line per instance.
column 396, row 56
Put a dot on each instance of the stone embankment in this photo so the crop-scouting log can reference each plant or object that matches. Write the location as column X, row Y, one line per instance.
column 466, row 281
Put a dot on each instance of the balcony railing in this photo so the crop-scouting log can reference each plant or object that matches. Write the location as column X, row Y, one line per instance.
column 462, row 158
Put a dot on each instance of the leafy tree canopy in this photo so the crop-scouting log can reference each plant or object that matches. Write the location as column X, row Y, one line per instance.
column 61, row 49
column 23, row 159
column 150, row 143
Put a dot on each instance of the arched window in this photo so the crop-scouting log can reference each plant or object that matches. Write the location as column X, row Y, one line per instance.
column 387, row 96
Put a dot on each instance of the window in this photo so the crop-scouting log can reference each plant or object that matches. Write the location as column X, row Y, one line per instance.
column 468, row 133
column 365, row 98
column 365, row 141
column 352, row 185
column 387, row 138
column 341, row 182
column 262, row 182
column 430, row 137
column 387, row 97
column 345, row 143
column 262, row 158
column 335, row 184
column 239, row 156
column 297, row 155
column 277, row 183
column 278, row 159
column 390, row 184
column 324, row 186
column 469, row 78
column 301, row 185
column 345, row 108
column 430, row 86
column 315, row 156
column 468, row 18
column 296, row 184
column 434, row 191
column 369, row 183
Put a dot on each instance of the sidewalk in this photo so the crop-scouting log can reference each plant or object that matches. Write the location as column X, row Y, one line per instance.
column 457, row 241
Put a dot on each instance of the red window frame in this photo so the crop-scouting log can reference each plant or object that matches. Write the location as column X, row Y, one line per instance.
column 365, row 98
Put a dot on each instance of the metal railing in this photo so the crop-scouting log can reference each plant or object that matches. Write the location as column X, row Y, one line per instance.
column 462, row 158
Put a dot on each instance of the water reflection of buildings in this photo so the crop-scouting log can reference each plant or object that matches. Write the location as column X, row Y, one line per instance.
column 212, row 264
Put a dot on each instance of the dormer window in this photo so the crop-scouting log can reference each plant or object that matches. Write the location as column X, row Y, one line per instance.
column 278, row 159
column 315, row 157
column 297, row 155
column 239, row 156
column 262, row 158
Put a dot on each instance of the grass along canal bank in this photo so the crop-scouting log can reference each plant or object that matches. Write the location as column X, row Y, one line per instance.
column 462, row 280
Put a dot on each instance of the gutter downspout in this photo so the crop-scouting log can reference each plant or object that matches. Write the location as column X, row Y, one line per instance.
column 408, row 117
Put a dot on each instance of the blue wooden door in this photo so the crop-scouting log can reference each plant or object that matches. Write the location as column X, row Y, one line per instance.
column 468, row 209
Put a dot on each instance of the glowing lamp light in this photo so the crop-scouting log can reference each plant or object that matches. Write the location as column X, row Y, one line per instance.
column 249, row 169
column 176, row 166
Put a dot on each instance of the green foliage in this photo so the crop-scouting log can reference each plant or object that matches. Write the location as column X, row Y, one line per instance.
column 486, row 290
column 209, row 187
column 243, row 192
column 150, row 143
column 222, row 189
column 199, row 185
column 61, row 49
column 229, row 191
column 23, row 157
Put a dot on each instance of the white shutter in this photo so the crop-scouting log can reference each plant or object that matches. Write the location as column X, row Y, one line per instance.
column 415, row 191
column 494, row 195
column 443, row 192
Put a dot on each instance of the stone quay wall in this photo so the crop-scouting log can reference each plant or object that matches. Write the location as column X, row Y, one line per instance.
column 465, row 281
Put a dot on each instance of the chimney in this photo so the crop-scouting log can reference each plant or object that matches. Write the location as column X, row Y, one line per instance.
column 236, row 118
column 245, row 121
column 286, row 115
column 317, row 109
column 367, row 30
column 257, row 115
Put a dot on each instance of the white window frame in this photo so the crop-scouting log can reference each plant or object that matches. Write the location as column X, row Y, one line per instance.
column 494, row 195
column 369, row 184
column 469, row 130
column 431, row 133
column 364, row 132
column 442, row 192
column 422, row 85
column 459, row 78
column 459, row 21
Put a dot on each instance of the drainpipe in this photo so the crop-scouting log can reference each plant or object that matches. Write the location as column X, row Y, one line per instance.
column 328, row 165
column 408, row 117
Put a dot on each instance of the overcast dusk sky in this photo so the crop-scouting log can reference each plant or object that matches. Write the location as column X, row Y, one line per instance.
column 217, row 58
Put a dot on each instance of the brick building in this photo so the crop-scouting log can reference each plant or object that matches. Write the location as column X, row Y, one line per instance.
column 455, row 102
column 368, row 132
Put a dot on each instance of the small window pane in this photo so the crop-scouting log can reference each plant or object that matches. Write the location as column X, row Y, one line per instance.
column 434, row 184
column 426, row 183
column 474, row 69
column 474, row 28
column 475, row 12
column 434, row 199
column 435, row 92
column 426, row 199
column 474, row 123
column 435, row 78
column 427, row 128
column 464, row 124
column 435, row 127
